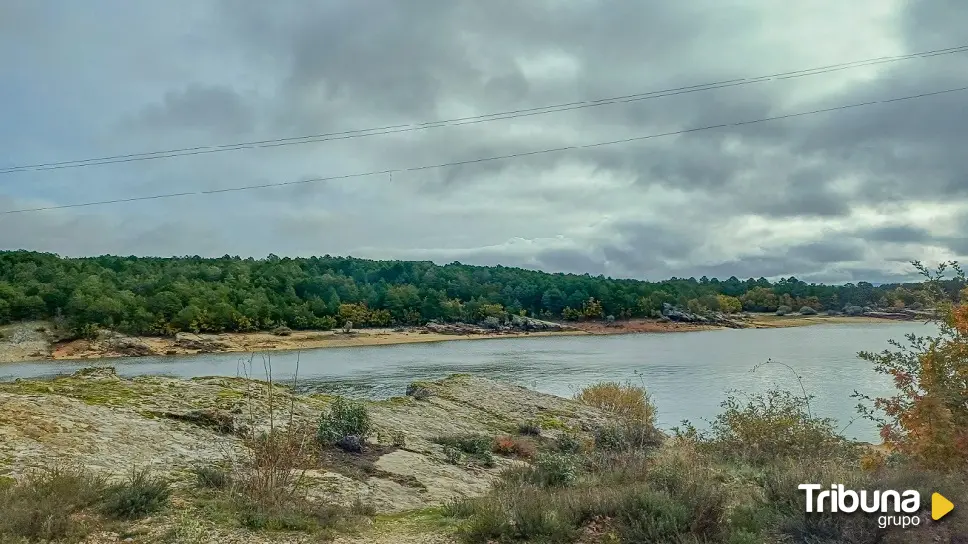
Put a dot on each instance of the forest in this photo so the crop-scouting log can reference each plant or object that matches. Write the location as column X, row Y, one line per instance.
column 162, row 296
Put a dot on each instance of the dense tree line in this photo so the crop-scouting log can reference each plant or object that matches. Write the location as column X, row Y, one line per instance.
column 148, row 295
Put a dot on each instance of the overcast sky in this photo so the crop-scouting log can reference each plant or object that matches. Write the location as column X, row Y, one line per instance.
column 841, row 196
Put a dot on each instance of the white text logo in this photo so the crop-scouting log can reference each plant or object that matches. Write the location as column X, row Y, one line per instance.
column 904, row 504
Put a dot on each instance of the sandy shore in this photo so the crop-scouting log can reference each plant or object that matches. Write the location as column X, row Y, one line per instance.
column 34, row 342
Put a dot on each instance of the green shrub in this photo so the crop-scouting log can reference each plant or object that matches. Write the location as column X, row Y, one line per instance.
column 529, row 428
column 555, row 469
column 472, row 444
column 87, row 331
column 768, row 427
column 485, row 459
column 211, row 477
column 453, row 455
column 568, row 442
column 626, row 436
column 653, row 516
column 344, row 418
column 43, row 505
column 137, row 496
column 459, row 508
column 295, row 514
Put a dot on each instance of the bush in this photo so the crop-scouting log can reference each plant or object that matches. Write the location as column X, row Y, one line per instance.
column 210, row 477
column 491, row 322
column 927, row 417
column 618, row 496
column 282, row 331
column 453, row 455
column 295, row 514
column 473, row 444
column 568, row 442
column 477, row 446
column 139, row 495
column 485, row 459
column 624, row 400
column 43, row 505
column 344, row 418
column 767, row 427
column 626, row 436
column 529, row 428
column 516, row 447
column 87, row 331
column 555, row 469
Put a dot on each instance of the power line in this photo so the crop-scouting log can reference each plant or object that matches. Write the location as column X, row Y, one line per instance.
column 512, row 114
column 488, row 159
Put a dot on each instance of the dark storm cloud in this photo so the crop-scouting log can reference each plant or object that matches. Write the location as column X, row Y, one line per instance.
column 897, row 234
column 806, row 196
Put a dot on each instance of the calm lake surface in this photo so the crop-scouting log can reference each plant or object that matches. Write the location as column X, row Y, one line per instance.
column 688, row 374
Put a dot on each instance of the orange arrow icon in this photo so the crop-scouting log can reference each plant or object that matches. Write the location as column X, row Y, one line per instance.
column 940, row 506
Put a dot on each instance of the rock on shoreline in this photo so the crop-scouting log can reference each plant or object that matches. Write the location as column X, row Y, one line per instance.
column 515, row 324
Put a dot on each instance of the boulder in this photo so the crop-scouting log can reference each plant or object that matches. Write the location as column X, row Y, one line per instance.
column 350, row 443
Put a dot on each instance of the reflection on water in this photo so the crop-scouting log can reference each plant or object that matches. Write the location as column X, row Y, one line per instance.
column 687, row 374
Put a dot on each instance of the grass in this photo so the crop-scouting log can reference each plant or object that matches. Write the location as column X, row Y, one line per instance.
column 139, row 495
column 709, row 487
column 212, row 477
column 44, row 505
column 478, row 448
column 679, row 494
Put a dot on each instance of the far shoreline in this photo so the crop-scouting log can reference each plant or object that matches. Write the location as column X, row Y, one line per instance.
column 38, row 347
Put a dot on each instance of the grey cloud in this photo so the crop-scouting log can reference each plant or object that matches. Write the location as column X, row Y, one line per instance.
column 277, row 70
column 897, row 234
column 215, row 109
column 570, row 261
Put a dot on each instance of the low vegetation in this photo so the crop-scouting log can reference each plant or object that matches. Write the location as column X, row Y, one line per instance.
column 141, row 494
column 44, row 504
column 701, row 487
column 64, row 503
column 736, row 481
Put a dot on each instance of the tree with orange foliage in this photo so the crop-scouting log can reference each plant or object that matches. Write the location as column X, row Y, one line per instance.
column 927, row 419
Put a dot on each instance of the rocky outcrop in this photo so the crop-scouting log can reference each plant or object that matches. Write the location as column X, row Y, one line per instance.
column 673, row 313
column 536, row 325
column 199, row 343
column 127, row 347
column 110, row 423
column 902, row 315
column 515, row 324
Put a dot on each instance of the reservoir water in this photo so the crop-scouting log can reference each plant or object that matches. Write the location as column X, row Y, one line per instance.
column 687, row 374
